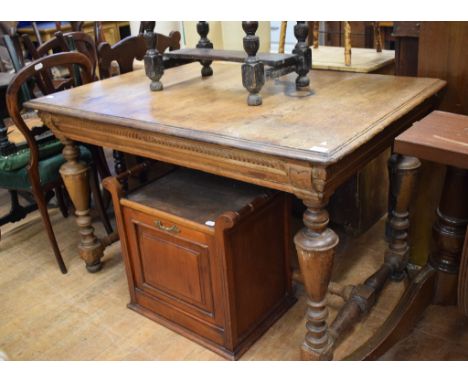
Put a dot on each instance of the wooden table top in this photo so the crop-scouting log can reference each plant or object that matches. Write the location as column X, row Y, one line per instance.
column 440, row 137
column 362, row 60
column 343, row 111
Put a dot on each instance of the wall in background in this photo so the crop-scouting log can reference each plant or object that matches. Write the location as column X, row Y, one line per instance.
column 163, row 27
column 227, row 34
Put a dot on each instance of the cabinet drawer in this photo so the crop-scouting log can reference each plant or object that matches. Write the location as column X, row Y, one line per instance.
column 171, row 265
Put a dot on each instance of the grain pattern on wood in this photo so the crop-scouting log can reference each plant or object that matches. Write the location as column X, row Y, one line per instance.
column 323, row 136
column 315, row 245
column 194, row 244
column 282, row 146
column 443, row 54
column 347, row 43
column 440, row 137
column 364, row 60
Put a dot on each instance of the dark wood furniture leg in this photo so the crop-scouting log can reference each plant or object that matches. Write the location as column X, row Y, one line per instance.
column 364, row 296
column 315, row 245
column 203, row 28
column 120, row 167
column 449, row 234
column 436, row 283
column 75, row 176
column 61, row 200
column 154, row 66
column 304, row 53
column 401, row 191
column 463, row 279
column 253, row 71
column 17, row 211
column 41, row 201
column 96, row 191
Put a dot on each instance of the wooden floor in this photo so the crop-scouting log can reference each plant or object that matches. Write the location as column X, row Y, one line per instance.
column 45, row 315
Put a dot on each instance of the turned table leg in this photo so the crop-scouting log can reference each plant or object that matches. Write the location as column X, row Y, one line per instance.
column 75, row 176
column 402, row 185
column 315, row 245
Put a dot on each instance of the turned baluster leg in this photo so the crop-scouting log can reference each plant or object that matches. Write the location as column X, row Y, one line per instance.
column 401, row 188
column 203, row 28
column 449, row 233
column 253, row 72
column 153, row 59
column 304, row 54
column 364, row 296
column 315, row 245
column 76, row 179
column 347, row 43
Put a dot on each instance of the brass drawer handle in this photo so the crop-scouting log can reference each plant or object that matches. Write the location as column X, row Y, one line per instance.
column 173, row 228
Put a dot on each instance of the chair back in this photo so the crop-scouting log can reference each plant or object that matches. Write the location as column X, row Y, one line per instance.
column 40, row 68
column 124, row 53
column 171, row 42
column 64, row 42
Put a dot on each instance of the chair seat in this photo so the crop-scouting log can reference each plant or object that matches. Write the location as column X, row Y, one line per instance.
column 18, row 179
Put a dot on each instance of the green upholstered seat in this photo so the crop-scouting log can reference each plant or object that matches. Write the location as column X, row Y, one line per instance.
column 20, row 159
column 18, row 178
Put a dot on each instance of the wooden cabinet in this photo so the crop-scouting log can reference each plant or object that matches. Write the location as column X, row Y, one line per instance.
column 207, row 257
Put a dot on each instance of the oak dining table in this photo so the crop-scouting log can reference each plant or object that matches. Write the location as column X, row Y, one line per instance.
column 305, row 142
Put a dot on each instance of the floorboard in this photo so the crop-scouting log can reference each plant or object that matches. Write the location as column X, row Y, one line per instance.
column 81, row 316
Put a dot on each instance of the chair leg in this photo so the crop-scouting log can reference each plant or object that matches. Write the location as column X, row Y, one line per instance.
column 17, row 211
column 41, row 203
column 61, row 200
column 99, row 158
column 95, row 190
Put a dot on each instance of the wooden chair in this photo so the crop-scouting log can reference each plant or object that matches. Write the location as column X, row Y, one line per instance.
column 35, row 168
column 164, row 43
column 439, row 137
column 124, row 53
column 64, row 42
